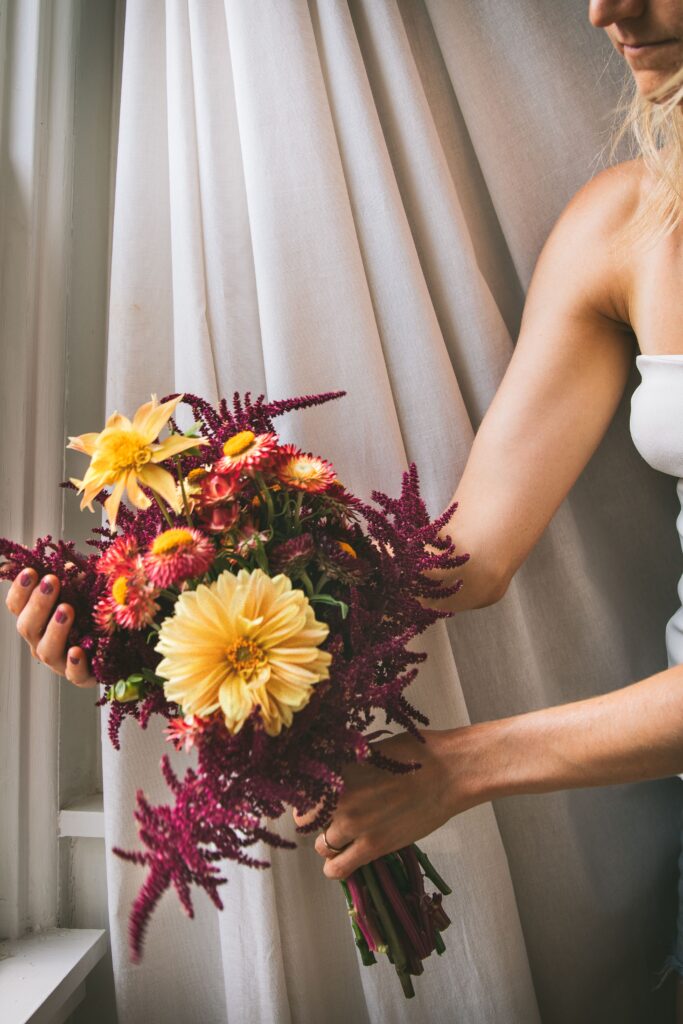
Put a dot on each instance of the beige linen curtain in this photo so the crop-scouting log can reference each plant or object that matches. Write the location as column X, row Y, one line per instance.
column 352, row 194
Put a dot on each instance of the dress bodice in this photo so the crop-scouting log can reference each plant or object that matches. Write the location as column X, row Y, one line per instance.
column 657, row 432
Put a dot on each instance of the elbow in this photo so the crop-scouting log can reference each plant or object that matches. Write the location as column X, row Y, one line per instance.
column 497, row 589
column 492, row 590
column 479, row 589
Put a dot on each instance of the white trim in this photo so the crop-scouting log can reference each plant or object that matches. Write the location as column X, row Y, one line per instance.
column 83, row 819
column 42, row 976
column 39, row 39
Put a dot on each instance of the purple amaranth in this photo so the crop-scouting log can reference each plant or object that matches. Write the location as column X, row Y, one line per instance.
column 219, row 809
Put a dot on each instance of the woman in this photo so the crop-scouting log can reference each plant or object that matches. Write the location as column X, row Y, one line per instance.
column 581, row 307
column 610, row 273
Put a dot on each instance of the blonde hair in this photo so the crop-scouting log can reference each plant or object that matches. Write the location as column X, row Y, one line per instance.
column 653, row 125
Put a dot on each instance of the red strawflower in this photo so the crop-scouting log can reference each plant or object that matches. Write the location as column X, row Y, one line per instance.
column 132, row 602
column 183, row 732
column 103, row 615
column 220, row 518
column 303, row 471
column 246, row 452
column 121, row 558
column 218, row 487
column 177, row 554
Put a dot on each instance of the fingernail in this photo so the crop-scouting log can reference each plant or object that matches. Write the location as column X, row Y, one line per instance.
column 26, row 579
column 74, row 659
column 61, row 616
column 46, row 587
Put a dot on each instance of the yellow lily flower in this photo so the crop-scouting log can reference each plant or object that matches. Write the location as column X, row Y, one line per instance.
column 125, row 455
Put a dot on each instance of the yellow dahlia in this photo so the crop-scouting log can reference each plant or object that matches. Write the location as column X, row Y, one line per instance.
column 125, row 454
column 244, row 642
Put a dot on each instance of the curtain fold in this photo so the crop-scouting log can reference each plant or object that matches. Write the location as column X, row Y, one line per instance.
column 326, row 195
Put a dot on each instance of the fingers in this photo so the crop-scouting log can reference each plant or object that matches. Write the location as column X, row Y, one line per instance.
column 302, row 820
column 332, row 841
column 45, row 626
column 34, row 613
column 51, row 648
column 20, row 591
column 360, row 852
column 77, row 670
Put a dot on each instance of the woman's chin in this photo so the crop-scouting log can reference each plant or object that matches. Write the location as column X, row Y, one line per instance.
column 650, row 80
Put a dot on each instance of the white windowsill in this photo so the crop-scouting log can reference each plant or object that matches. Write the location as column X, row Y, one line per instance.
column 84, row 818
column 42, row 976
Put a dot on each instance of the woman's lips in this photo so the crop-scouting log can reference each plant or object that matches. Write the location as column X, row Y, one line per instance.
column 647, row 51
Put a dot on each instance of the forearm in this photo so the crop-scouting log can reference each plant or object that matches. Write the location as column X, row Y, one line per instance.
column 629, row 735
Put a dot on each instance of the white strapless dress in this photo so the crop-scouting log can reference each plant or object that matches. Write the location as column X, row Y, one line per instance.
column 657, row 432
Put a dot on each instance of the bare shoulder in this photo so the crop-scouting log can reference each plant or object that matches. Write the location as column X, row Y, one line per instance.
column 586, row 248
column 608, row 201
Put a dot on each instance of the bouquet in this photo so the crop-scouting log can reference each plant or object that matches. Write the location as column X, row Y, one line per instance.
column 267, row 613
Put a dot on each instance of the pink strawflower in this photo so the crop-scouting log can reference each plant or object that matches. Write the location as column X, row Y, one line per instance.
column 132, row 602
column 121, row 558
column 248, row 539
column 220, row 518
column 246, row 452
column 216, row 488
column 103, row 616
column 303, row 471
column 177, row 554
column 183, row 732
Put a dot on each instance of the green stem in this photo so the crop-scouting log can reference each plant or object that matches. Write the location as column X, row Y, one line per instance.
column 262, row 557
column 163, row 510
column 321, row 582
column 181, row 480
column 431, row 872
column 366, row 954
column 296, row 516
column 306, row 580
column 266, row 496
column 398, row 871
column 396, row 950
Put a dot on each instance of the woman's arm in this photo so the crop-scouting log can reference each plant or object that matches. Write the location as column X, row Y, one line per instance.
column 553, row 407
column 558, row 396
column 630, row 735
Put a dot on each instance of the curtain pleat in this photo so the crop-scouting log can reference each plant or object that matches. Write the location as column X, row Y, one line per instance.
column 324, row 195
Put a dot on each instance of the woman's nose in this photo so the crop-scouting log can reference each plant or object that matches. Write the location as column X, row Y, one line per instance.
column 602, row 13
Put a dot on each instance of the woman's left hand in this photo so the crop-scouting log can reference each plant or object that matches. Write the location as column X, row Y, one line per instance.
column 381, row 811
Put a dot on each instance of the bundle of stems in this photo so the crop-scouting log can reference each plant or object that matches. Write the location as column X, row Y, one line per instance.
column 391, row 912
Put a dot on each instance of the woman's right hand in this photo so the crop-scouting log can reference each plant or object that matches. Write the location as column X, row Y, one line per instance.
column 44, row 624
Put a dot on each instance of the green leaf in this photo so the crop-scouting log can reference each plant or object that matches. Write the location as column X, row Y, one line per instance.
column 328, row 599
column 193, row 431
column 151, row 677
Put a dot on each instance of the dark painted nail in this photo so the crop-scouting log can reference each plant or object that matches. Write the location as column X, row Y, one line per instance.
column 61, row 616
column 74, row 659
column 46, row 587
column 26, row 579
